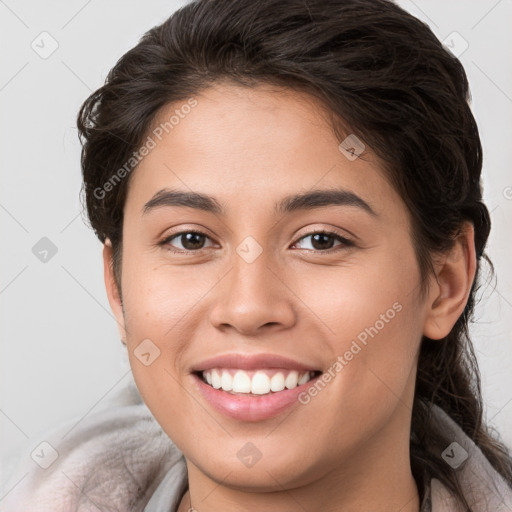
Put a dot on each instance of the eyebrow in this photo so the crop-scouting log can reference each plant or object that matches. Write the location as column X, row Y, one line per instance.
column 303, row 201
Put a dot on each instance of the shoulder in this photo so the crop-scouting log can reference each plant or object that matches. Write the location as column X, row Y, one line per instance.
column 117, row 456
column 483, row 487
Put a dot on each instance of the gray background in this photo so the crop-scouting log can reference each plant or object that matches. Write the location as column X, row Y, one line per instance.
column 60, row 351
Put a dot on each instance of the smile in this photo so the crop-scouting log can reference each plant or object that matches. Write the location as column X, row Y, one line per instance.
column 252, row 387
column 255, row 382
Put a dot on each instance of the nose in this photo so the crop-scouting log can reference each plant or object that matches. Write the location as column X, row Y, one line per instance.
column 252, row 298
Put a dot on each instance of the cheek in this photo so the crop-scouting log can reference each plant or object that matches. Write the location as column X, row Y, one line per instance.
column 158, row 297
column 374, row 321
column 376, row 378
column 157, row 300
column 345, row 300
column 380, row 313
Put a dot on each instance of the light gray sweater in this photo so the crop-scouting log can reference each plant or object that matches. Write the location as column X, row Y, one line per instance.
column 120, row 459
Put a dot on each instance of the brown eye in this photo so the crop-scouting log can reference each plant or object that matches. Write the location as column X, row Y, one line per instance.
column 189, row 240
column 323, row 241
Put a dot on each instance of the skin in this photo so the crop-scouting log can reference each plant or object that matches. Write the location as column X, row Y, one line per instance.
column 348, row 448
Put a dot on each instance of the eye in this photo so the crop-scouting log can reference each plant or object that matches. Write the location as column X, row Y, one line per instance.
column 189, row 240
column 322, row 241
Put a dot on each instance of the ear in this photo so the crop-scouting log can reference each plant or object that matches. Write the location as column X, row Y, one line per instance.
column 450, row 288
column 114, row 297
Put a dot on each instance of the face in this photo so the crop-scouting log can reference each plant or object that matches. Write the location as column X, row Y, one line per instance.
column 325, row 289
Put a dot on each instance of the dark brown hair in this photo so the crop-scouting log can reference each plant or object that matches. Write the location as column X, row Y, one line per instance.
column 384, row 77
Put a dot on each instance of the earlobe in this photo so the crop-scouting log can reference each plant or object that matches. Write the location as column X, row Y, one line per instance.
column 451, row 286
column 114, row 297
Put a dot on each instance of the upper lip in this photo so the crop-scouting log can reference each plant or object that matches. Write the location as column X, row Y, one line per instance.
column 250, row 362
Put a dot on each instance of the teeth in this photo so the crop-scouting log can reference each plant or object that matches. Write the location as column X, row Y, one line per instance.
column 305, row 377
column 226, row 381
column 277, row 382
column 216, row 381
column 291, row 380
column 259, row 382
column 241, row 382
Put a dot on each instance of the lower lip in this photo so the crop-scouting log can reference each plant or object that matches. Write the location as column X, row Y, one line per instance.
column 251, row 407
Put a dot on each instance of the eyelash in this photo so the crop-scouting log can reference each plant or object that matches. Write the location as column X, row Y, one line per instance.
column 345, row 242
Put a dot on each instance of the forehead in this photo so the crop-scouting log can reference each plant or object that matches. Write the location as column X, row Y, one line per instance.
column 247, row 144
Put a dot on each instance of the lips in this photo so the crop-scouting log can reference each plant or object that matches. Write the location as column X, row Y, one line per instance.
column 251, row 362
column 249, row 381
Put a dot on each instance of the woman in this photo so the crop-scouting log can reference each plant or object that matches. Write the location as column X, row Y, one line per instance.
column 288, row 194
